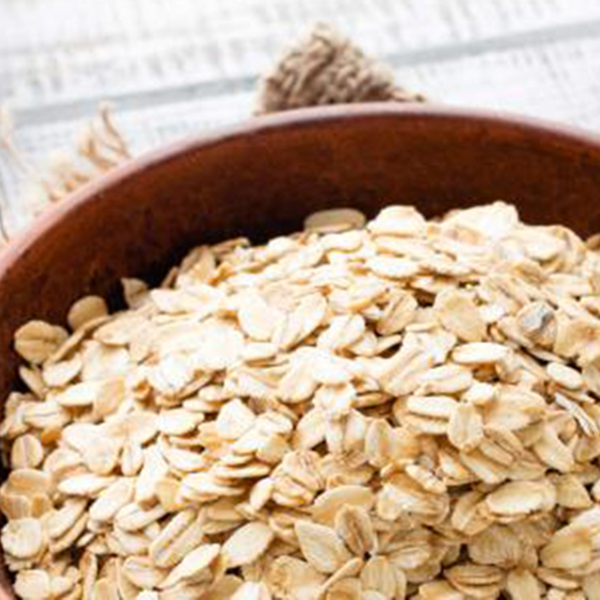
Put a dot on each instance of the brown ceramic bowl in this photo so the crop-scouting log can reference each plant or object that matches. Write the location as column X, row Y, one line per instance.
column 261, row 178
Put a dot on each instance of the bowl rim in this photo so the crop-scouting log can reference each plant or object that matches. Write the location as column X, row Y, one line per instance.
column 555, row 132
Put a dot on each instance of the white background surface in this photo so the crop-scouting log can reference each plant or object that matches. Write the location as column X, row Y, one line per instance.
column 175, row 67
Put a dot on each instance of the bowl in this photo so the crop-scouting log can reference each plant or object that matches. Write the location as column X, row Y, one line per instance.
column 263, row 177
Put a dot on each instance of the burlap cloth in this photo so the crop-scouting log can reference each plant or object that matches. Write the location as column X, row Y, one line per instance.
column 326, row 68
column 323, row 68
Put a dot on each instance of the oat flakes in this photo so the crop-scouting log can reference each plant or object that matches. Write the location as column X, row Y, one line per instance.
column 384, row 410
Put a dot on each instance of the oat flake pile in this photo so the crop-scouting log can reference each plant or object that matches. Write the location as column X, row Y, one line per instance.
column 366, row 411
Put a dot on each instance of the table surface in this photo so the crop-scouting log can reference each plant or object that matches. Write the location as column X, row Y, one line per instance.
column 174, row 67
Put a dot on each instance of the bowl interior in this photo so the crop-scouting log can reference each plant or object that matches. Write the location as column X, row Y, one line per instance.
column 264, row 177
